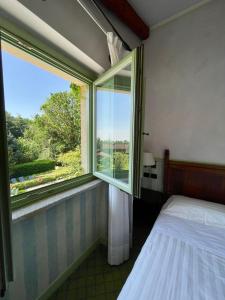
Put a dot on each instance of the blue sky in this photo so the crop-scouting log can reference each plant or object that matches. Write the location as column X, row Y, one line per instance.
column 26, row 86
column 113, row 115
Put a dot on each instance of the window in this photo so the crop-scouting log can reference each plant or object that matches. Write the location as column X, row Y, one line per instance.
column 54, row 141
column 115, row 111
column 46, row 123
column 47, row 119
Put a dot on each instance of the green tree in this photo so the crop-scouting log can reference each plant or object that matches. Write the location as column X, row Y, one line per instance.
column 56, row 130
column 15, row 129
column 35, row 143
column 60, row 120
column 16, row 125
column 121, row 161
column 14, row 152
column 30, row 149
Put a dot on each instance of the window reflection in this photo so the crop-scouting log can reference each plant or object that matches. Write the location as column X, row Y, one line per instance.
column 113, row 127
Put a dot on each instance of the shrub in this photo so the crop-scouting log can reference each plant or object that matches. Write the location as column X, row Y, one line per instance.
column 118, row 161
column 29, row 149
column 34, row 167
column 121, row 161
column 71, row 159
column 61, row 173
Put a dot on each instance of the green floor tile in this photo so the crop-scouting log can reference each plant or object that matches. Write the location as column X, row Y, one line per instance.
column 109, row 286
column 108, row 277
column 99, row 289
column 77, row 294
column 90, row 281
column 99, row 278
column 96, row 279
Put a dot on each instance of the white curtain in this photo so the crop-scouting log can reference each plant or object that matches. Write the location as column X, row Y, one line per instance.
column 120, row 204
column 119, row 226
column 116, row 50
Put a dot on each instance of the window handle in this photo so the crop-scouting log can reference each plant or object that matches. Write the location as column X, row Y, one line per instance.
column 145, row 133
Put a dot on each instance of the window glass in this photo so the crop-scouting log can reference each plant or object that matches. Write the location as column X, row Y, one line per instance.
column 47, row 122
column 113, row 126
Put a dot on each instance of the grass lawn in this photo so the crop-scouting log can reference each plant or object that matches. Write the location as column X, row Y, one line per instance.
column 42, row 178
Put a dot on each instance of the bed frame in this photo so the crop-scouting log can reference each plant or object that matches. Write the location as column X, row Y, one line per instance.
column 196, row 180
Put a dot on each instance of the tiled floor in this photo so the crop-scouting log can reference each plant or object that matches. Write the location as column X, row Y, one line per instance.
column 96, row 279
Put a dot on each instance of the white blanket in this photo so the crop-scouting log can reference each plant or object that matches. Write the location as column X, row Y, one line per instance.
column 180, row 260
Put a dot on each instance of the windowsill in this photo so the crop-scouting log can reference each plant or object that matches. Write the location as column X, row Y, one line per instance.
column 35, row 208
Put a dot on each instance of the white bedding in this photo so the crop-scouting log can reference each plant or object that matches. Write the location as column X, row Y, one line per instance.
column 200, row 211
column 182, row 259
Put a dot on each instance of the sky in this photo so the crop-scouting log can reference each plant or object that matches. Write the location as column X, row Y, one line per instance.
column 26, row 87
column 113, row 116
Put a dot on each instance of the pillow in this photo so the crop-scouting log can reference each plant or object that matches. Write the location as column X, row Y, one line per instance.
column 196, row 210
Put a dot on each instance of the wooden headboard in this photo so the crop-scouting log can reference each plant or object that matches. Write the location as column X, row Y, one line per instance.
column 197, row 180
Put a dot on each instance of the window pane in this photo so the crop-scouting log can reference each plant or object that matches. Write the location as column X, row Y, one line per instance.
column 113, row 126
column 47, row 122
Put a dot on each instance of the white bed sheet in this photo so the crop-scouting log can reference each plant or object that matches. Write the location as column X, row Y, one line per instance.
column 180, row 260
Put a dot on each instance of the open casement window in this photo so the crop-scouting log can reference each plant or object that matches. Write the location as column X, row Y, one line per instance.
column 117, row 124
column 49, row 119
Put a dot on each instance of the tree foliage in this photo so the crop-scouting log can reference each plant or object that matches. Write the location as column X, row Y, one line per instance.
column 61, row 120
column 72, row 159
column 121, row 161
column 55, row 130
column 16, row 127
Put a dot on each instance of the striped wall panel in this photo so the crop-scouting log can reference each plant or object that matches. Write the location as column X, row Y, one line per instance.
column 46, row 244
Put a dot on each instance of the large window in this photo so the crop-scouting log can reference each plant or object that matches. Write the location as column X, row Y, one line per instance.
column 47, row 120
column 54, row 140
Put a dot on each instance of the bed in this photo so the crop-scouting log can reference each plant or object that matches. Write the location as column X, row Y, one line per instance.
column 184, row 256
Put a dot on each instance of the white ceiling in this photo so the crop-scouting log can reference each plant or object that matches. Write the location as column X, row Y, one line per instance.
column 155, row 11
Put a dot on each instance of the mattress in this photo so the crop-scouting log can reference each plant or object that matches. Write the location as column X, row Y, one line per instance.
column 182, row 259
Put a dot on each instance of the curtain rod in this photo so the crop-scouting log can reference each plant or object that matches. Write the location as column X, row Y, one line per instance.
column 92, row 16
column 125, row 45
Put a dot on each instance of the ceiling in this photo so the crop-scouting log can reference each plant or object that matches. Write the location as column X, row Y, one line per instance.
column 155, row 11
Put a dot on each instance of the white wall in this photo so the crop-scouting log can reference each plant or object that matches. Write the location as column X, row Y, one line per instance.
column 185, row 86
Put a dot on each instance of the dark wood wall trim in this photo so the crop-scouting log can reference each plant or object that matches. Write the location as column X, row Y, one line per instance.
column 126, row 13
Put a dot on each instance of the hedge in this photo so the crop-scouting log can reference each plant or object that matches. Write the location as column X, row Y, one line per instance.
column 61, row 173
column 31, row 168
